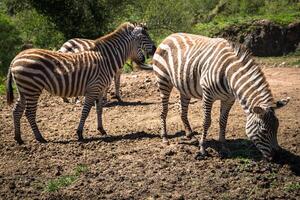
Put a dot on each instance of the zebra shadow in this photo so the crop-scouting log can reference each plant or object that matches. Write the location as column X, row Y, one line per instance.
column 244, row 149
column 126, row 103
column 115, row 138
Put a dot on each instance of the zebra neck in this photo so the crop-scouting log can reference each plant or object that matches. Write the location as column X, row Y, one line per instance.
column 249, row 86
column 116, row 50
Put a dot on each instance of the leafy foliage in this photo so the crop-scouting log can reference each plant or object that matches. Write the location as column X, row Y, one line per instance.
column 10, row 42
column 48, row 23
column 38, row 30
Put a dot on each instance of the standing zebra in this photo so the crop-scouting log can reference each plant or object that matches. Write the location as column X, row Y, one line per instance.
column 214, row 69
column 78, row 44
column 86, row 73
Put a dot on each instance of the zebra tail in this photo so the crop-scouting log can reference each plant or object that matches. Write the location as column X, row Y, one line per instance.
column 146, row 66
column 9, row 88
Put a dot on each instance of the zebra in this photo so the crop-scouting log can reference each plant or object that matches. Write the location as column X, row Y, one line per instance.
column 76, row 45
column 86, row 73
column 215, row 69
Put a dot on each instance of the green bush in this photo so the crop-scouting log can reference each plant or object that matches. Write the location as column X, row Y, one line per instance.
column 10, row 42
column 36, row 29
column 166, row 17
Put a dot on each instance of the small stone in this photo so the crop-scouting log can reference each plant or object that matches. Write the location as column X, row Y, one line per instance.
column 12, row 185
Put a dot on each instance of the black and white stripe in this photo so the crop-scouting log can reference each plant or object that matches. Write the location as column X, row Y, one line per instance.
column 214, row 69
column 86, row 73
column 78, row 45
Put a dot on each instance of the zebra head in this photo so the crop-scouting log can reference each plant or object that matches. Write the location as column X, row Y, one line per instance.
column 137, row 54
column 142, row 38
column 262, row 126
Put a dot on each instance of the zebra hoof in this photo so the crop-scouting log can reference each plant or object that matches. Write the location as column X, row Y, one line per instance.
column 102, row 131
column 79, row 134
column 66, row 100
column 200, row 156
column 202, row 153
column 19, row 141
column 80, row 139
column 165, row 141
column 119, row 99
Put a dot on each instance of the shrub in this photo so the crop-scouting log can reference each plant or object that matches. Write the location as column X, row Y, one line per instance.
column 36, row 29
column 10, row 42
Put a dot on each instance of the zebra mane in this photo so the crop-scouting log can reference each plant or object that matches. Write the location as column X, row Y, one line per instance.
column 245, row 55
column 241, row 51
column 121, row 29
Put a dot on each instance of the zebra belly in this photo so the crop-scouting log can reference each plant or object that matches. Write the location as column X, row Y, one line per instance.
column 67, row 86
column 189, row 87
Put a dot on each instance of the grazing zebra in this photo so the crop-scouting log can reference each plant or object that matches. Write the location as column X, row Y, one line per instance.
column 214, row 69
column 86, row 73
column 78, row 44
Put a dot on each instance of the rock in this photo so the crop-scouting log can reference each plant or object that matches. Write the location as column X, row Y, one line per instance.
column 265, row 38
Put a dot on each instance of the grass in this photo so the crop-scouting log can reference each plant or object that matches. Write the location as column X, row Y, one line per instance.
column 279, row 14
column 61, row 182
column 244, row 163
column 290, row 60
column 2, row 88
column 2, row 84
column 66, row 180
column 292, row 187
column 128, row 67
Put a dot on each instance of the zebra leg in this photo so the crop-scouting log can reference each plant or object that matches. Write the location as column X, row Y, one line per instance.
column 165, row 95
column 66, row 100
column 30, row 113
column 184, row 106
column 99, row 108
column 207, row 106
column 77, row 100
column 224, row 111
column 88, row 104
column 18, row 111
column 104, row 96
column 117, row 85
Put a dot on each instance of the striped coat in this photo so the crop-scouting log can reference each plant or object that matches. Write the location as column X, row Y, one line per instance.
column 87, row 74
column 78, row 45
column 214, row 69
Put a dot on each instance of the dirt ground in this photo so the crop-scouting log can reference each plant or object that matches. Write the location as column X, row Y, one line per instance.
column 132, row 162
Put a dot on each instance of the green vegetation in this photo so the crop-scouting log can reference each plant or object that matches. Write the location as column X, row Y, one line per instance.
column 293, row 187
column 128, row 67
column 2, row 89
column 235, row 12
column 290, row 60
column 48, row 23
column 2, row 86
column 64, row 181
column 245, row 163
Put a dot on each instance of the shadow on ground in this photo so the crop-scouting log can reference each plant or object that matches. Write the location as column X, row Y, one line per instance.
column 245, row 149
column 238, row 148
column 124, row 103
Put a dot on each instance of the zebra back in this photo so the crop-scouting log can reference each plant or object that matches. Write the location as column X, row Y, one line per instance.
column 77, row 45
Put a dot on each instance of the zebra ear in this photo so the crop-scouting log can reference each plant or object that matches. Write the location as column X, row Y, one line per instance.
column 137, row 31
column 281, row 103
column 144, row 25
column 259, row 110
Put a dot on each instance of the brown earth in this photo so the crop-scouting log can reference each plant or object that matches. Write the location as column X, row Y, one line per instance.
column 133, row 163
